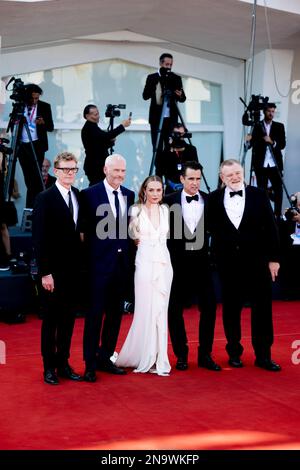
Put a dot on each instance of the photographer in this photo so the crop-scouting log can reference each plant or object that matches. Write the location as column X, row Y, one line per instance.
column 169, row 163
column 290, row 243
column 156, row 85
column 39, row 119
column 96, row 143
column 268, row 133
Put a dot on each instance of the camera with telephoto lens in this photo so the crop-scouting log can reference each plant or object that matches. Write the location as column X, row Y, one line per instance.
column 293, row 210
column 177, row 139
column 113, row 110
column 252, row 114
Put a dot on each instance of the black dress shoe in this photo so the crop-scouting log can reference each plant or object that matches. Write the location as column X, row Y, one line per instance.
column 182, row 363
column 235, row 362
column 111, row 368
column 90, row 375
column 68, row 373
column 50, row 377
column 267, row 364
column 208, row 363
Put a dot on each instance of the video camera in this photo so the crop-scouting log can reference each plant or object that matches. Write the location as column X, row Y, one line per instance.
column 18, row 90
column 112, row 110
column 293, row 210
column 252, row 114
column 3, row 148
column 177, row 139
column 167, row 78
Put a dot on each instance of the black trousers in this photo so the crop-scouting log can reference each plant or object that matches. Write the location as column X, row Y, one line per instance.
column 107, row 297
column 30, row 170
column 58, row 320
column 263, row 175
column 199, row 287
column 241, row 282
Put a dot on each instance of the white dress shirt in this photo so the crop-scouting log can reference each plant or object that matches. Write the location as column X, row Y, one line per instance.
column 235, row 205
column 191, row 212
column 111, row 198
column 30, row 115
column 268, row 157
column 65, row 194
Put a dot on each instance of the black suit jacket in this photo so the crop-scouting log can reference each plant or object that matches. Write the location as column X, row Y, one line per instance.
column 150, row 92
column 44, row 111
column 103, row 253
column 96, row 143
column 179, row 247
column 255, row 242
column 277, row 134
column 50, row 181
column 56, row 240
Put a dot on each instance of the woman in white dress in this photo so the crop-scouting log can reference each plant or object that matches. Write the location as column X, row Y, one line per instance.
column 145, row 348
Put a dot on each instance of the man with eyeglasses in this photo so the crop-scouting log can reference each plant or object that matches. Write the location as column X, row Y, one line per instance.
column 38, row 116
column 57, row 248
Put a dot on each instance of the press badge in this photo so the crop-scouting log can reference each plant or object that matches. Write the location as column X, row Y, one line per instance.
column 179, row 166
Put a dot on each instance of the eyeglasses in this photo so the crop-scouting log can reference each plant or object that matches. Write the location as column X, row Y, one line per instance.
column 68, row 171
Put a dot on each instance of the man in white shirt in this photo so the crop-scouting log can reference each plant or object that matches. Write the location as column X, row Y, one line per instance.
column 268, row 138
column 103, row 223
column 57, row 248
column 245, row 243
column 38, row 117
column 192, row 278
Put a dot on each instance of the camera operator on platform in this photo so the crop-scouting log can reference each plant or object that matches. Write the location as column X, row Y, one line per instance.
column 170, row 162
column 96, row 143
column 39, row 118
column 268, row 133
column 156, row 84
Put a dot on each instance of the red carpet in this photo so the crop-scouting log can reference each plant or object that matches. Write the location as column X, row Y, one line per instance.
column 245, row 408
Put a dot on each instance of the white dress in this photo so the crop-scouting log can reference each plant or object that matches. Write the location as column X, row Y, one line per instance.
column 145, row 348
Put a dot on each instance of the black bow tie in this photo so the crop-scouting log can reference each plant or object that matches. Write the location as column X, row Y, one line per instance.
column 192, row 198
column 234, row 193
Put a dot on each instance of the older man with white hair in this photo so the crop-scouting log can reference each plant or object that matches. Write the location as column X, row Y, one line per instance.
column 104, row 219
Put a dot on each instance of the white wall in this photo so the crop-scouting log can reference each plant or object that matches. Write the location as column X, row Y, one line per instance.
column 230, row 77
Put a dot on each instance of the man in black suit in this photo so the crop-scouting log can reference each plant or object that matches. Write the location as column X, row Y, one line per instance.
column 96, row 143
column 192, row 278
column 57, row 248
column 246, row 246
column 38, row 116
column 269, row 134
column 48, row 179
column 104, row 226
column 156, row 85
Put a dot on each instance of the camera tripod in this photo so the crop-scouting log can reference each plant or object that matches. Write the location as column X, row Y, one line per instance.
column 16, row 124
column 167, row 96
column 110, row 128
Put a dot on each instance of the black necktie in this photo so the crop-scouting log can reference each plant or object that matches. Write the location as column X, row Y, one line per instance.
column 235, row 193
column 71, row 208
column 117, row 206
column 192, row 198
